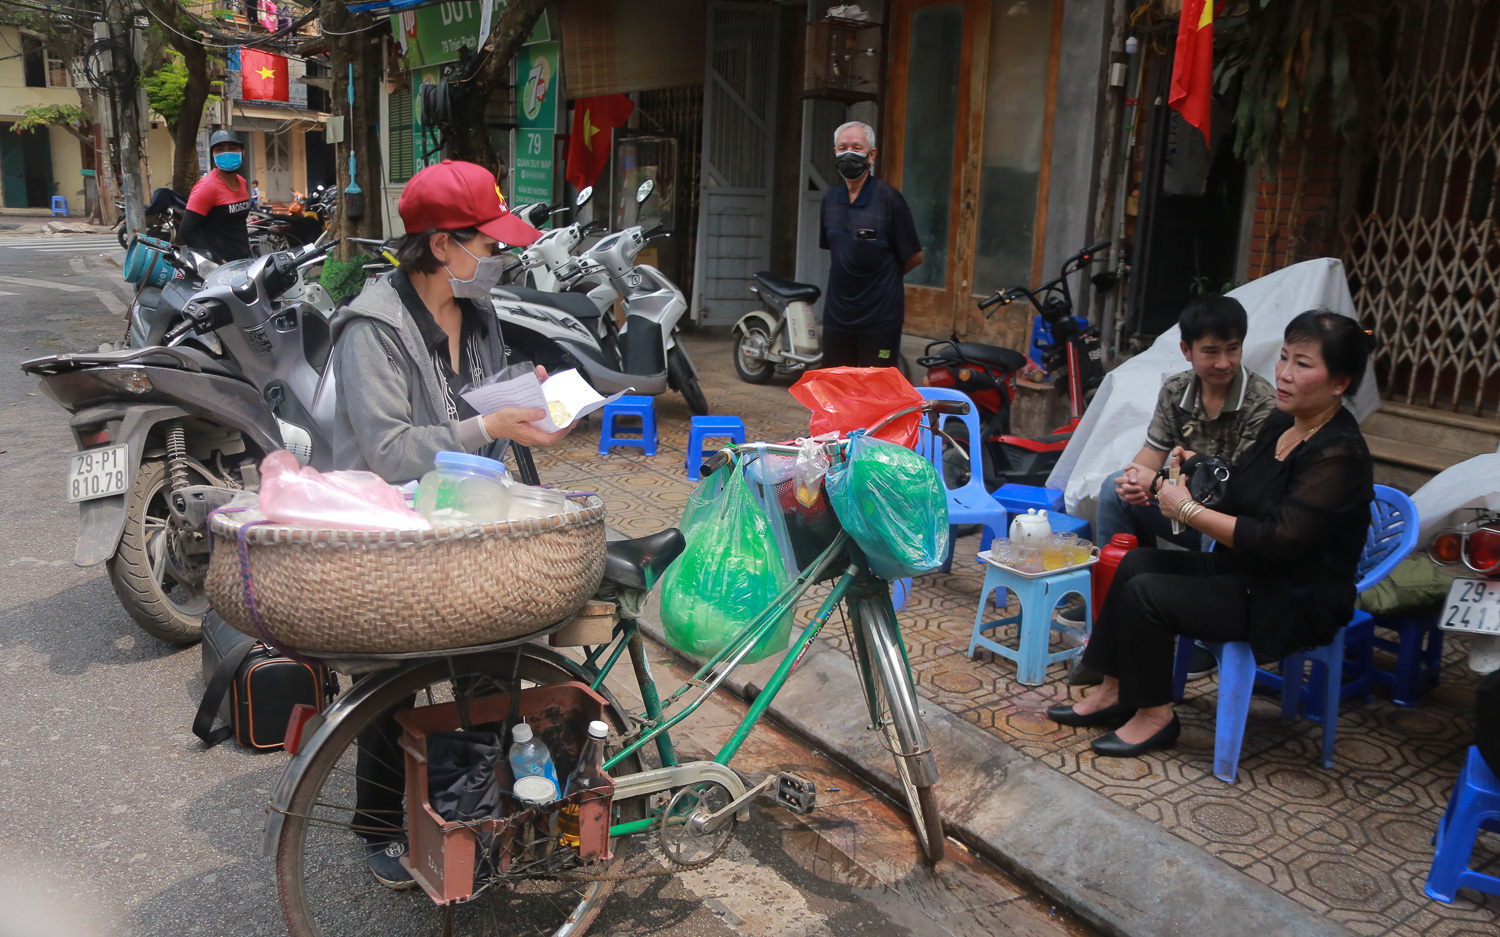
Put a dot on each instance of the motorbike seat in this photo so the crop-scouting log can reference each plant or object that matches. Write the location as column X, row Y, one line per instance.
column 789, row 290
column 991, row 355
column 639, row 563
column 574, row 304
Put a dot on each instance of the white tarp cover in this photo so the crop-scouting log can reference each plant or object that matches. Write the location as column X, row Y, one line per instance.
column 1473, row 483
column 1113, row 428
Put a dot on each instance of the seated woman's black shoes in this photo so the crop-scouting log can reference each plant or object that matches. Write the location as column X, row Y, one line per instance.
column 1112, row 716
column 1109, row 745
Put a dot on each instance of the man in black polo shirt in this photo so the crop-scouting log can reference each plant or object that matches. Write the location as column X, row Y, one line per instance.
column 869, row 233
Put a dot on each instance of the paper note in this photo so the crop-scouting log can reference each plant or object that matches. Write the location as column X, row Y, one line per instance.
column 565, row 396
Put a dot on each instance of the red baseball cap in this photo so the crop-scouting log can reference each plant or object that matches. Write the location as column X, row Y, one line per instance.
column 454, row 195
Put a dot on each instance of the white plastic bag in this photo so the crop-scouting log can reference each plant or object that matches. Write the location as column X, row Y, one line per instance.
column 812, row 465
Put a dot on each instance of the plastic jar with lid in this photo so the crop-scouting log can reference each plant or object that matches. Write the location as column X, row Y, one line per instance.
column 464, row 488
column 529, row 501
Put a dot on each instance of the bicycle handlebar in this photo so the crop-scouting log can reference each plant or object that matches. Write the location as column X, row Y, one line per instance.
column 1092, row 249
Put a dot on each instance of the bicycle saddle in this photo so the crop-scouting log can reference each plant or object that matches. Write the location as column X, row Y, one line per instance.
column 789, row 290
column 639, row 563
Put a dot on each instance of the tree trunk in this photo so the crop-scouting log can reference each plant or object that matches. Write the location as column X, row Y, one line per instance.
column 182, row 38
column 468, row 137
column 362, row 50
column 185, row 131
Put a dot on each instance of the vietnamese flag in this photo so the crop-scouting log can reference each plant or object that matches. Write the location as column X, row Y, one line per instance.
column 1193, row 69
column 594, row 120
column 263, row 76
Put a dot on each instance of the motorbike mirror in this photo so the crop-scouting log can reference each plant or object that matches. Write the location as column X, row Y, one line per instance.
column 645, row 190
column 584, row 194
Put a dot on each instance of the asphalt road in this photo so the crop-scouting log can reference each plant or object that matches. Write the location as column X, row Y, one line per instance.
column 116, row 821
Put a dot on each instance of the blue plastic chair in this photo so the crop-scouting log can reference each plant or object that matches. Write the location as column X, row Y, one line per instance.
column 1392, row 536
column 972, row 503
column 1473, row 806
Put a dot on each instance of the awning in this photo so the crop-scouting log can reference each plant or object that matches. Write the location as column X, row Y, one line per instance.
column 271, row 119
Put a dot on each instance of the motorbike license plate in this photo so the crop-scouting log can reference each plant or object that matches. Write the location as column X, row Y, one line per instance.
column 98, row 473
column 1472, row 605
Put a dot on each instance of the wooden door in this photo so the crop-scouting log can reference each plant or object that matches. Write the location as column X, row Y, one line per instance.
column 967, row 139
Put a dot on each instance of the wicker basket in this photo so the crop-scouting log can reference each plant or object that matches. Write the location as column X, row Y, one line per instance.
column 386, row 591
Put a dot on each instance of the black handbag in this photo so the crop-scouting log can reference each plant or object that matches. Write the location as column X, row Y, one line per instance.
column 1208, row 479
column 253, row 688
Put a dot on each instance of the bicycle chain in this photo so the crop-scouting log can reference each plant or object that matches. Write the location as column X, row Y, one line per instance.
column 673, row 868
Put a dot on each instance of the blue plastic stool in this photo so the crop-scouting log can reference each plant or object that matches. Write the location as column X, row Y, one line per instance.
column 710, row 427
column 1017, row 498
column 1039, row 597
column 1418, row 650
column 60, row 206
column 630, row 405
column 900, row 593
column 1473, row 806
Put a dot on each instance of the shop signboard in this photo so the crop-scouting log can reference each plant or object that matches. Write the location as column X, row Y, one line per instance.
column 537, row 90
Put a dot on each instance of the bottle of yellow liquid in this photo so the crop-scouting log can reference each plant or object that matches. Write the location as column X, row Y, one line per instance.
column 588, row 776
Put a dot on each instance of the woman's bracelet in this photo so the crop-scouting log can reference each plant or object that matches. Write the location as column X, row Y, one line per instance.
column 1188, row 510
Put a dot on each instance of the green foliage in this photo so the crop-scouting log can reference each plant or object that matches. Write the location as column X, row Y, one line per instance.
column 165, row 88
column 343, row 278
column 1289, row 55
column 39, row 116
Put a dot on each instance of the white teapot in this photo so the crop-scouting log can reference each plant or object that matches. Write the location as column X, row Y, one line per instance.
column 1031, row 527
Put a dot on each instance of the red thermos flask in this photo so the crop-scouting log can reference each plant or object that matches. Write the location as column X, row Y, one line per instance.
column 1110, row 556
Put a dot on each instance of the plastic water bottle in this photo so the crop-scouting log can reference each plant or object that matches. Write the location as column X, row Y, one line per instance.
column 586, row 777
column 529, row 756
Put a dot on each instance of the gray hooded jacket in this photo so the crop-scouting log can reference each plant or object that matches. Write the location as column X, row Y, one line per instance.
column 391, row 415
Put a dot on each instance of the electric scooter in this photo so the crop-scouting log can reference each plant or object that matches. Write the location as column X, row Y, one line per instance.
column 987, row 373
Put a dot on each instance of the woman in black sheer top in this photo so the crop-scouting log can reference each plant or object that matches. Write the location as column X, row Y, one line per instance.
column 1289, row 536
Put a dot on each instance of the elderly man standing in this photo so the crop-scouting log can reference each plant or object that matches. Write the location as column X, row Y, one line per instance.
column 868, row 230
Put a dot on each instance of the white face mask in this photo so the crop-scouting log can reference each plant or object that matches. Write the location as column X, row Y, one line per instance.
column 487, row 273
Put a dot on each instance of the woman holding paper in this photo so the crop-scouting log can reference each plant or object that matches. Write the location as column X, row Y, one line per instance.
column 407, row 345
column 403, row 351
column 1290, row 533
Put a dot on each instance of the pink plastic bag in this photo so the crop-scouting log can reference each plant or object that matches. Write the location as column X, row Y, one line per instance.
column 291, row 494
column 846, row 399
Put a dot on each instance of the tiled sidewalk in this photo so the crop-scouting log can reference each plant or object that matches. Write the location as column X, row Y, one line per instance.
column 1352, row 842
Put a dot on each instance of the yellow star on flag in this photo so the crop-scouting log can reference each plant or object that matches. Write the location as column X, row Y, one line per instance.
column 589, row 129
column 267, row 72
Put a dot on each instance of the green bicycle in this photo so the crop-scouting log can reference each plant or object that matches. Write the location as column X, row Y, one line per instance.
column 691, row 807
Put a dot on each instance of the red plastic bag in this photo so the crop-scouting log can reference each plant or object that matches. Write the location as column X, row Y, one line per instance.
column 845, row 399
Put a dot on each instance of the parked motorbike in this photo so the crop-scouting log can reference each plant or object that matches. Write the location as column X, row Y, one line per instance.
column 156, row 310
column 1073, row 361
column 575, row 327
column 163, row 217
column 783, row 341
column 166, row 433
column 303, row 224
column 1473, row 602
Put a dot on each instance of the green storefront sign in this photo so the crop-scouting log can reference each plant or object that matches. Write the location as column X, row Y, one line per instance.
column 536, row 122
column 433, row 35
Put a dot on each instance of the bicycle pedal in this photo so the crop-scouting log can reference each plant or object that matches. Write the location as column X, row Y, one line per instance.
column 796, row 793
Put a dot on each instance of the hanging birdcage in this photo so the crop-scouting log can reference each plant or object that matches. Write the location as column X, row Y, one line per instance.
column 843, row 60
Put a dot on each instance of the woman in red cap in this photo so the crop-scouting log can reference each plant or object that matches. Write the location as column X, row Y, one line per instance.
column 408, row 344
column 404, row 349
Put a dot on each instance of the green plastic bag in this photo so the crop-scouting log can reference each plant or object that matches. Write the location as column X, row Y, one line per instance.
column 730, row 572
column 893, row 504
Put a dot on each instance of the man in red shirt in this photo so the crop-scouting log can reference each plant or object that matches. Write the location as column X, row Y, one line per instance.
column 214, row 222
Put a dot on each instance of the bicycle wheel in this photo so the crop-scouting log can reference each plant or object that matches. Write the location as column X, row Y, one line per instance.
column 326, row 888
column 899, row 720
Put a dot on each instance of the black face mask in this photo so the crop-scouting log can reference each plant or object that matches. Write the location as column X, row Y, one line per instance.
column 852, row 165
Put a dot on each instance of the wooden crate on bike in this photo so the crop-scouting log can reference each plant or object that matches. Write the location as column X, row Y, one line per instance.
column 442, row 856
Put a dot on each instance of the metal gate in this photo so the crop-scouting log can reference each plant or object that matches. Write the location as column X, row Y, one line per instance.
column 739, row 120
column 1423, row 251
